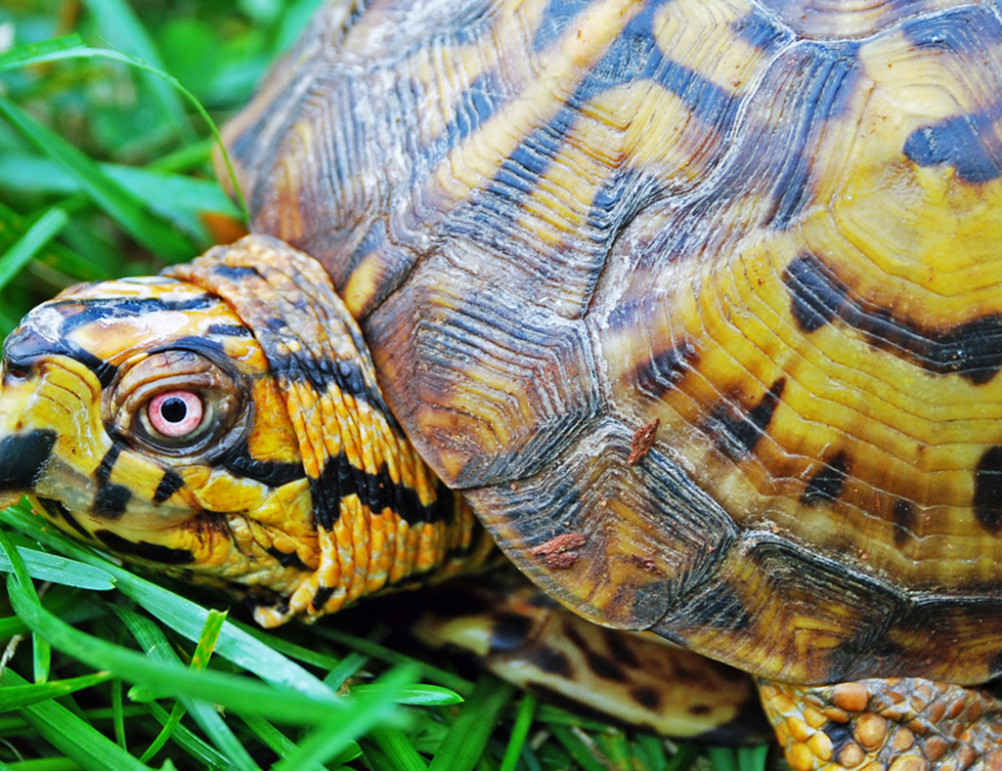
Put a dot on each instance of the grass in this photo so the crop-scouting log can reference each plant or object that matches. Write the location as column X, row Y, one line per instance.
column 104, row 171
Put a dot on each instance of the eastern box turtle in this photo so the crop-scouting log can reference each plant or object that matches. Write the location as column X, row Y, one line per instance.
column 697, row 304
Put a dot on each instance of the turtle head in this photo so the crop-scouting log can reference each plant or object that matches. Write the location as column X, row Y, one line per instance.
column 142, row 415
column 222, row 423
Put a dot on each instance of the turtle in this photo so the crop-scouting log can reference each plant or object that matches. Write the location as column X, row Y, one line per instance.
column 695, row 306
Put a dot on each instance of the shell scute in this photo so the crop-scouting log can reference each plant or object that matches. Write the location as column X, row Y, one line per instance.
column 769, row 228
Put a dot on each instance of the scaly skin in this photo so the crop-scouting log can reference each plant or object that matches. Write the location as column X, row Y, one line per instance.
column 297, row 489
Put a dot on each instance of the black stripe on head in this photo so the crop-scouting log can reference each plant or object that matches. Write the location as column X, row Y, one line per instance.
column 103, row 472
column 322, row 373
column 151, row 552
column 25, row 346
column 91, row 310
column 169, row 484
column 111, row 500
column 238, row 461
column 988, row 490
column 57, row 510
column 23, row 458
column 827, row 483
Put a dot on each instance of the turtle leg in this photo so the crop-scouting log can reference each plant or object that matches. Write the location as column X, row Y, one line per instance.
column 526, row 638
column 902, row 724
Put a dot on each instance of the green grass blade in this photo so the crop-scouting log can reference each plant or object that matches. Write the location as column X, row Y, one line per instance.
column 191, row 743
column 86, row 52
column 182, row 615
column 236, row 693
column 278, row 742
column 41, row 658
column 20, row 696
column 328, row 741
column 583, row 755
column 119, row 25
column 396, row 749
column 59, row 570
column 71, row 735
column 111, row 197
column 205, row 714
column 382, row 653
column 464, row 744
column 175, row 197
column 33, row 53
column 37, row 236
column 519, row 732
column 417, row 695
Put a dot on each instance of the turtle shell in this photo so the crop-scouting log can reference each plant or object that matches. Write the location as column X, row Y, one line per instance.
column 699, row 302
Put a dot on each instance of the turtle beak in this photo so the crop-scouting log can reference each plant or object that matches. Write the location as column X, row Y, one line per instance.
column 25, row 450
column 28, row 421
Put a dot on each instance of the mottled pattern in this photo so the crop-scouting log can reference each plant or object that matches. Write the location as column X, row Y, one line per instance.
column 639, row 679
column 771, row 226
column 297, row 490
column 901, row 724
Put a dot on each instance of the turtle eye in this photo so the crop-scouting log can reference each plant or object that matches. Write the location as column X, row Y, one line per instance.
column 175, row 413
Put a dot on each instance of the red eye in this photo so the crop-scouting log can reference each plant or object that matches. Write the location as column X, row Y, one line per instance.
column 175, row 413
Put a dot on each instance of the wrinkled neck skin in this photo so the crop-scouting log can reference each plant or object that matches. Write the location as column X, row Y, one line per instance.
column 223, row 423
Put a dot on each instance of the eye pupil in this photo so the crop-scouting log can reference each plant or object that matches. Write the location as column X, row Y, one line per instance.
column 174, row 410
column 175, row 414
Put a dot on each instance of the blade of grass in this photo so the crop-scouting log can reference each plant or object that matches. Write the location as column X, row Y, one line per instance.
column 396, row 749
column 41, row 655
column 153, row 641
column 118, row 715
column 37, row 236
column 71, row 735
column 31, row 54
column 329, row 741
column 752, row 758
column 465, row 742
column 119, row 25
column 237, row 693
column 59, row 570
column 278, row 742
column 382, row 653
column 178, row 613
column 519, row 732
column 583, row 755
column 191, row 743
column 684, row 758
column 112, row 198
column 21, row 56
column 20, row 696
column 416, row 695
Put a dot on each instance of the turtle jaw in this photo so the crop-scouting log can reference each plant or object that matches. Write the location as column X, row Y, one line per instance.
column 43, row 414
